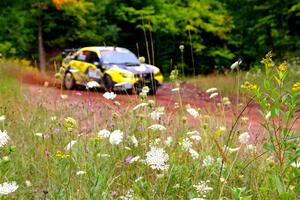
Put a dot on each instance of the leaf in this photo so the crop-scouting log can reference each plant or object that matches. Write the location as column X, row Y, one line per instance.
column 268, row 147
column 279, row 186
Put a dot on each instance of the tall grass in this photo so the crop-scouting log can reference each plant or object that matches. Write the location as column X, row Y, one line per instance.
column 94, row 168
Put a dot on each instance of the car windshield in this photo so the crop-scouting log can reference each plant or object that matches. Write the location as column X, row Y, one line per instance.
column 113, row 57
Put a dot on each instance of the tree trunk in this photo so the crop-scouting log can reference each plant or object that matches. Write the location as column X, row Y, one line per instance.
column 42, row 58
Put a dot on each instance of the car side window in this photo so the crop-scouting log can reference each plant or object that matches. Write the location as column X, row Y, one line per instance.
column 93, row 57
column 83, row 56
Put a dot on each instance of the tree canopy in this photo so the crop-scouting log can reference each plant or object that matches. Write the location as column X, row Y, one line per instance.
column 214, row 32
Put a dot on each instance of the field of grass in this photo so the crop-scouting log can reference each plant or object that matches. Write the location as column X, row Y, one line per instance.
column 143, row 151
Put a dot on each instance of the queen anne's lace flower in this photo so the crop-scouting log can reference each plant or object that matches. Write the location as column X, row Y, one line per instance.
column 6, row 187
column 70, row 145
column 168, row 141
column 193, row 112
column 213, row 95
column 128, row 196
column 140, row 106
column 156, row 158
column 155, row 115
column 93, row 84
column 186, row 144
column 244, row 138
column 4, row 138
column 116, row 137
column 202, row 188
column 194, row 154
column 210, row 90
column 194, row 135
column 2, row 118
column 109, row 95
column 208, row 161
column 134, row 141
column 157, row 127
column 104, row 133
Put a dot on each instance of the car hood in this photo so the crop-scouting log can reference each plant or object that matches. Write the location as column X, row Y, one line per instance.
column 137, row 69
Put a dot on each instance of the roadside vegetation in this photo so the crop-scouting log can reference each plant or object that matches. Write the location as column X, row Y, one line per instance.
column 143, row 151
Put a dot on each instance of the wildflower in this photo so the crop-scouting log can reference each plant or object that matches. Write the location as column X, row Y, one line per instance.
column 156, row 158
column 134, row 159
column 181, row 47
column 244, row 138
column 157, row 127
column 28, row 183
column 244, row 118
column 47, row 153
column 6, row 158
column 138, row 179
column 202, row 188
column 140, row 105
column 282, row 67
column 53, row 118
column 78, row 93
column 46, row 137
column 226, row 101
column 296, row 87
column 267, row 61
column 235, row 64
column 116, row 137
column 230, row 150
column 175, row 90
column 251, row 148
column 70, row 145
column 211, row 90
column 168, row 141
column 56, row 130
column 128, row 159
column 70, row 123
column 145, row 89
column 117, row 103
column 61, row 155
column 194, row 154
column 151, row 103
column 4, row 138
column 208, row 161
column 249, row 86
column 39, row 134
column 104, row 133
column 93, row 84
column 134, row 141
column 193, row 112
column 2, row 118
column 63, row 96
column 268, row 115
column 186, row 144
column 213, row 95
column 80, row 173
column 128, row 196
column 176, row 186
column 156, row 114
column 176, row 105
column 103, row 155
column 295, row 164
column 7, row 188
column 114, row 193
column 109, row 95
column 194, row 135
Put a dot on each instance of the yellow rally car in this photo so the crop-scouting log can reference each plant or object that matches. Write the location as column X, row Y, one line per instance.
column 114, row 68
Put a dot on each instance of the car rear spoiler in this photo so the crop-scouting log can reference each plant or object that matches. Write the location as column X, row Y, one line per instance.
column 67, row 52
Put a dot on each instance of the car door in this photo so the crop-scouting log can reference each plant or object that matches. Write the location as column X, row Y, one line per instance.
column 93, row 66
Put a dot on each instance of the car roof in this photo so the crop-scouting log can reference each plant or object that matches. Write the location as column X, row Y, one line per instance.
column 104, row 49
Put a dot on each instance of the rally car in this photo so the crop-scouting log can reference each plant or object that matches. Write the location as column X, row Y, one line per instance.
column 114, row 68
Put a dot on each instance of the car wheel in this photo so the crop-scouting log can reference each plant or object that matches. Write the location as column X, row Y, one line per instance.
column 108, row 83
column 69, row 81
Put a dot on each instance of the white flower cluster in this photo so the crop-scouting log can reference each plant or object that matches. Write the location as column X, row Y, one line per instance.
column 115, row 137
column 128, row 196
column 202, row 188
column 186, row 144
column 6, row 187
column 141, row 105
column 156, row 127
column 109, row 95
column 70, row 145
column 193, row 112
column 208, row 161
column 244, row 138
column 194, row 135
column 157, row 113
column 4, row 138
column 156, row 158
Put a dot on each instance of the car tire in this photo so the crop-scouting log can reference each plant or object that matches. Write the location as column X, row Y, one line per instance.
column 108, row 83
column 69, row 81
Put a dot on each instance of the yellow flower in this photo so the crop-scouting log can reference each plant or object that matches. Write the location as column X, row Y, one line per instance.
column 296, row 87
column 282, row 67
column 267, row 61
column 249, row 86
column 70, row 123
